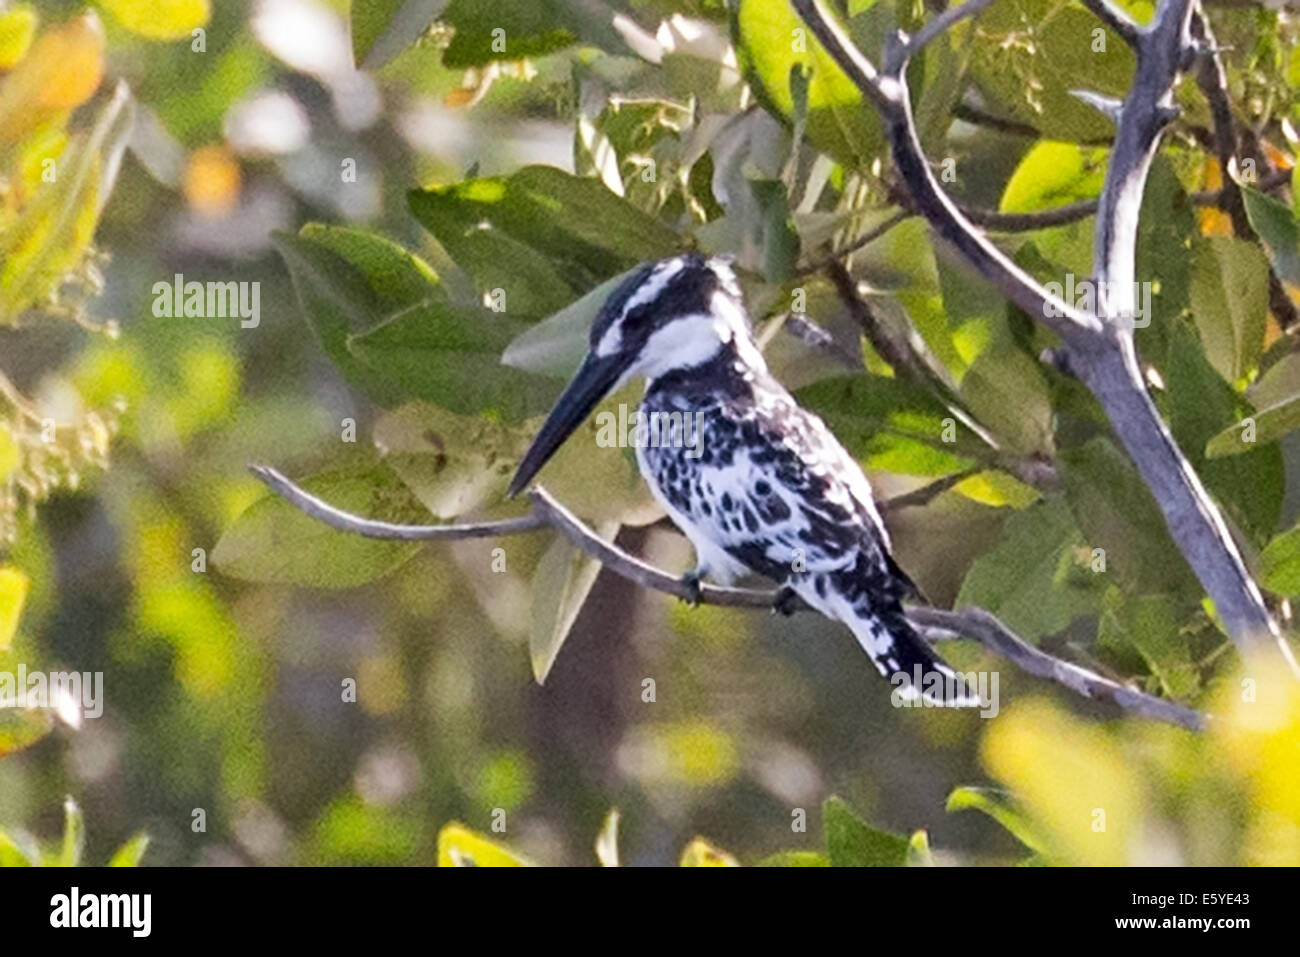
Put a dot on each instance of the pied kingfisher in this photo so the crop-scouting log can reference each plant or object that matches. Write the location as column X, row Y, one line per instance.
column 765, row 487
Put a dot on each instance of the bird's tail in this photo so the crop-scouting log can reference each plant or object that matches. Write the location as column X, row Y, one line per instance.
column 906, row 659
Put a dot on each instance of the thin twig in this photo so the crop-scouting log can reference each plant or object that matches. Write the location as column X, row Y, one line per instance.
column 546, row 512
column 1115, row 18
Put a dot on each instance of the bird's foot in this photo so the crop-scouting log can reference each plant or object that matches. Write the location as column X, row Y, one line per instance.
column 786, row 601
column 693, row 581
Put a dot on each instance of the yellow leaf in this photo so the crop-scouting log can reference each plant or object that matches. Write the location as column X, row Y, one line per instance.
column 700, row 853
column 458, row 846
column 10, row 455
column 13, row 594
column 159, row 19
column 17, row 28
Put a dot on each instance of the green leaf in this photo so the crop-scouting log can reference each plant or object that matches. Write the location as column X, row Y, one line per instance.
column 1115, row 512
column 528, row 28
column 918, row 850
column 74, row 834
column 996, row 804
column 394, row 276
column 272, row 541
column 451, row 357
column 771, row 41
column 563, row 580
column 1279, row 227
column 1029, row 578
column 1266, row 425
column 852, row 843
column 22, row 727
column 1151, row 624
column 1034, row 52
column 1199, row 405
column 795, row 859
column 892, row 425
column 381, row 29
column 130, row 853
column 1279, row 564
column 19, row 849
column 159, row 19
column 1229, row 299
column 540, row 235
column 1005, row 391
column 1053, row 173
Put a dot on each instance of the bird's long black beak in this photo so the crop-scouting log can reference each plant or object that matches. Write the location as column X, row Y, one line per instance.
column 592, row 382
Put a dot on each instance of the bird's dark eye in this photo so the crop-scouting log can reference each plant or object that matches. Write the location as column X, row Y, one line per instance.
column 761, row 487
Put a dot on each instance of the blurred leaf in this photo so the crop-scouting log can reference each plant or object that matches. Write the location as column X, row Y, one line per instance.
column 454, row 464
column 771, row 41
column 19, row 849
column 159, row 19
column 381, row 29
column 795, row 859
column 1025, row 578
column 561, row 584
column 458, row 846
column 396, row 277
column 74, row 834
column 61, row 70
column 1229, row 299
column 56, row 225
column 17, row 29
column 852, row 843
column 996, row 804
column 918, row 850
column 1199, row 405
column 1053, row 173
column 130, row 853
column 1005, row 392
column 1150, row 623
column 1270, row 424
column 541, row 235
column 607, row 840
column 700, row 853
column 1278, row 226
column 1114, row 510
column 14, row 585
column 21, row 727
column 272, row 541
column 1279, row 564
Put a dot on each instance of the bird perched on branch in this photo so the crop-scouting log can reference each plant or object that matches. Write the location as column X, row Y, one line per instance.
column 756, row 483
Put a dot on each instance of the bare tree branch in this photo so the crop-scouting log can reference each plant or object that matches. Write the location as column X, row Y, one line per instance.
column 1116, row 19
column 546, row 512
column 1099, row 344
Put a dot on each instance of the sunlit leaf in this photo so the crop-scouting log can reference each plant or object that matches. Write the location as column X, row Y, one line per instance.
column 607, row 840
column 458, row 846
column 563, row 580
column 1054, row 174
column 130, row 853
column 74, row 834
column 997, row 805
column 852, row 843
column 14, row 585
column 159, row 19
column 700, row 853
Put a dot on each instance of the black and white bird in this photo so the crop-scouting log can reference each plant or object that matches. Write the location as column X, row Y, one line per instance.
column 756, row 483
